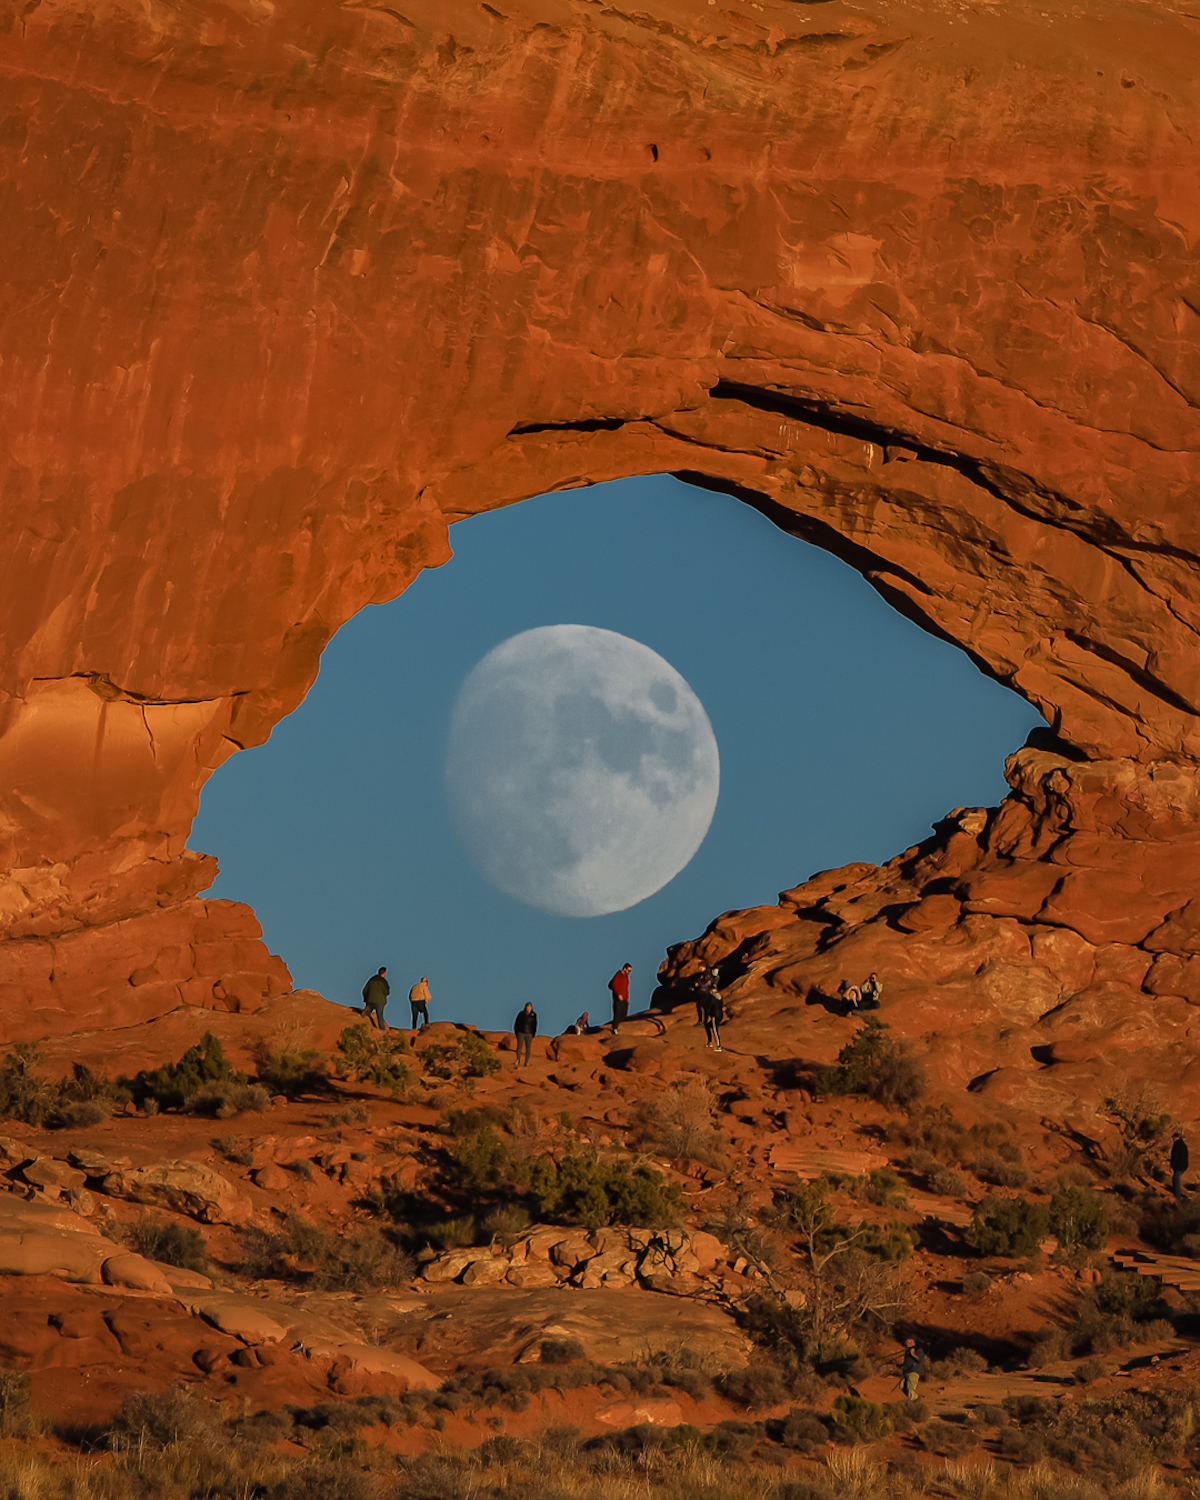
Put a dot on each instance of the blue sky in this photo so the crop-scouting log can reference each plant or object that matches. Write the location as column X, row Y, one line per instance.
column 844, row 733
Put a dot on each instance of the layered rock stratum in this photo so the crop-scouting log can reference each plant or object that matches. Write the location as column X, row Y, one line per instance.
column 288, row 290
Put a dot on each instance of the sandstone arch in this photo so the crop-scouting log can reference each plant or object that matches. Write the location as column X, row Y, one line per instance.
column 290, row 289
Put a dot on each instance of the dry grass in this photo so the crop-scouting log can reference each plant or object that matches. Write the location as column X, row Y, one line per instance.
column 680, row 1122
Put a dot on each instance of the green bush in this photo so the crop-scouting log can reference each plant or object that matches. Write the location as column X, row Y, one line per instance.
column 172, row 1085
column 1078, row 1218
column 367, row 1055
column 585, row 1189
column 462, row 1061
column 885, row 1189
column 877, row 1065
column 1012, row 1227
column 480, row 1160
column 80, row 1100
column 291, row 1072
column 859, row 1421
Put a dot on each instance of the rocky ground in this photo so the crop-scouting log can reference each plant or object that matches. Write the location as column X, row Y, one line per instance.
column 529, row 1320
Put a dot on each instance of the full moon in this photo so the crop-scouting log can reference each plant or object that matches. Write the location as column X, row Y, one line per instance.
column 582, row 772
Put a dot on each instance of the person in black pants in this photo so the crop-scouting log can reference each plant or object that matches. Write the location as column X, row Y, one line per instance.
column 525, row 1028
column 375, row 996
column 714, row 1014
column 1179, row 1165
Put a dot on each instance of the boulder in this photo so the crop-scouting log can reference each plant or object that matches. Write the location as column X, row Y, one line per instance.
column 186, row 1187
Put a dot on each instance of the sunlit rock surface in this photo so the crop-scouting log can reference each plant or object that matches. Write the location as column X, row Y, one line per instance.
column 288, row 289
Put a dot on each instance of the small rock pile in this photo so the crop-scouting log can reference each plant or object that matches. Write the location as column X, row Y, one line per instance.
column 677, row 1262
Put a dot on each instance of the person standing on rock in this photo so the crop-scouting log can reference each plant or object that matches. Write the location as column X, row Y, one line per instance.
column 1179, row 1165
column 418, row 999
column 619, row 985
column 714, row 1014
column 525, row 1029
column 375, row 996
column 912, row 1367
column 704, row 984
column 871, row 991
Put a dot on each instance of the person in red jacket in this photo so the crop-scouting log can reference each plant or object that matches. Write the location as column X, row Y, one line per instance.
column 619, row 984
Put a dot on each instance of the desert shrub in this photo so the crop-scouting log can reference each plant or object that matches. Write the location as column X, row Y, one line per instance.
column 856, row 1420
column 736, row 1229
column 1123, row 1308
column 236, row 1148
column 476, row 1117
column 961, row 1361
column 229, row 1099
column 479, row 1159
column 1012, row 1227
column 753, row 1386
column 79, row 1100
column 353, row 1114
column 679, row 1122
column 935, row 1176
column 946, row 1438
column 465, row 1059
column 368, row 1055
column 885, row 1189
column 891, row 1242
column 976, row 1284
column 291, row 1072
column 1051, row 1345
column 561, row 1351
column 877, row 1065
column 24, row 1095
column 937, row 1139
column 801, row 1430
column 507, row 1220
column 583, row 1188
column 325, row 1480
column 453, row 1233
column 1089, row 1370
column 172, row 1085
column 159, row 1418
column 361, row 1260
column 1078, row 1218
column 1173, row 1228
column 169, row 1243
column 1142, row 1129
column 991, row 1167
column 17, row 1418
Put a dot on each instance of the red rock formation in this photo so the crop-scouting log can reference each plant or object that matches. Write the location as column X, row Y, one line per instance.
column 287, row 291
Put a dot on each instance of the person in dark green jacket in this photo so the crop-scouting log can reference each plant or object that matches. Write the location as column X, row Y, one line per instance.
column 375, row 994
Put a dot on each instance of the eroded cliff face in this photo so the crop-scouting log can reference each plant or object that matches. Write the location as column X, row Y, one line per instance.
column 290, row 288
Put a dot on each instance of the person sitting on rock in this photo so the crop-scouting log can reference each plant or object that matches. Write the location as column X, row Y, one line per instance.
column 871, row 991
column 375, row 994
column 579, row 1026
column 850, row 996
